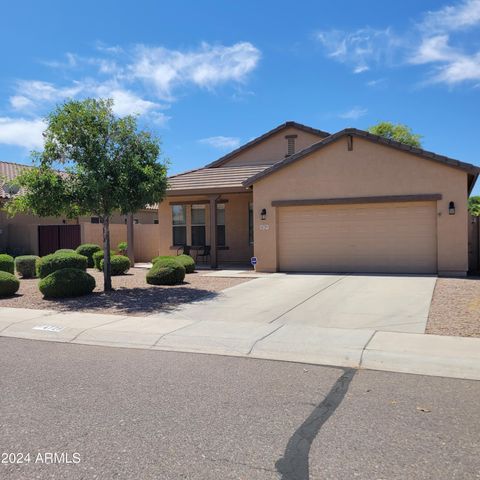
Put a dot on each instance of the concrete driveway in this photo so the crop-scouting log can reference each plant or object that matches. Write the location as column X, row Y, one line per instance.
column 380, row 302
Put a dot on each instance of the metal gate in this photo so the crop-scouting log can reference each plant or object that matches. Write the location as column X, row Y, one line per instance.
column 474, row 244
column 53, row 237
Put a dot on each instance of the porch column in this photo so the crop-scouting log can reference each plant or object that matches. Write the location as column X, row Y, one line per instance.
column 130, row 239
column 213, row 231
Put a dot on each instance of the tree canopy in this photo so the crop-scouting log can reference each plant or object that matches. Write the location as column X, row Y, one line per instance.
column 399, row 132
column 92, row 163
column 474, row 206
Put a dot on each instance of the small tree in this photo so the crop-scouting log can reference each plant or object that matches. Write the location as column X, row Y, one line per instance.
column 400, row 133
column 474, row 206
column 108, row 166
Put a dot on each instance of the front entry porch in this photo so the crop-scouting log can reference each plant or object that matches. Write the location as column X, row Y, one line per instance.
column 217, row 228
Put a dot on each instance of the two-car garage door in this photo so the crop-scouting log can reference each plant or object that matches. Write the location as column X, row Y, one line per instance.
column 383, row 238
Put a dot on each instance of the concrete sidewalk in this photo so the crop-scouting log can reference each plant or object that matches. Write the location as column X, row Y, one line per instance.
column 359, row 348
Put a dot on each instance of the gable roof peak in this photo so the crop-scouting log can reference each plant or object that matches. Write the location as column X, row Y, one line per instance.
column 288, row 124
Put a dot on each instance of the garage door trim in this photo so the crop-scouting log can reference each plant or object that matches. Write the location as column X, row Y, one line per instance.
column 297, row 251
column 421, row 197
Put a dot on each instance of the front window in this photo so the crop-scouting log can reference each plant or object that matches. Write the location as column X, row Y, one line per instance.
column 198, row 225
column 221, row 240
column 179, row 224
column 250, row 223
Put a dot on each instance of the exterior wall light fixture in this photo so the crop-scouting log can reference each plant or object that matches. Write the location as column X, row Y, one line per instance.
column 263, row 214
column 451, row 208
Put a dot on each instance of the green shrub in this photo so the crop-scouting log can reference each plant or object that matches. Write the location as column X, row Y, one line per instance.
column 163, row 257
column 119, row 264
column 57, row 261
column 87, row 250
column 9, row 284
column 166, row 272
column 187, row 261
column 65, row 250
column 25, row 265
column 6, row 263
column 122, row 248
column 67, row 282
column 98, row 257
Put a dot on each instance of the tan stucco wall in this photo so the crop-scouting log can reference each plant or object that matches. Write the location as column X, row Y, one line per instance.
column 236, row 226
column 143, row 216
column 369, row 170
column 146, row 238
column 20, row 232
column 274, row 148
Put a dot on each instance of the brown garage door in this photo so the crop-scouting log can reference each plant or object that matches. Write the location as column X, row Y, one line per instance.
column 383, row 238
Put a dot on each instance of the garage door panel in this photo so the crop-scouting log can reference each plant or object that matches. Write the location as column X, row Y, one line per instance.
column 391, row 238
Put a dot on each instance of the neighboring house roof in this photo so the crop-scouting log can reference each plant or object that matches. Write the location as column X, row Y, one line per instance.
column 224, row 179
column 472, row 170
column 8, row 172
column 265, row 136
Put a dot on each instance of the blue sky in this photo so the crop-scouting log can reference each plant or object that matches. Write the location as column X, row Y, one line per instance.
column 208, row 76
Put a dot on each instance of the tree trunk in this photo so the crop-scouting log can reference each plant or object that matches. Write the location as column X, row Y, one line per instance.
column 107, row 278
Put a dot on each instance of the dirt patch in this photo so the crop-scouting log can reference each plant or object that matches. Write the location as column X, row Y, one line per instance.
column 132, row 294
column 455, row 308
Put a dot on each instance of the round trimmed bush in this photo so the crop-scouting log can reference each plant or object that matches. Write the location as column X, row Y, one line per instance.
column 98, row 257
column 67, row 282
column 187, row 261
column 119, row 264
column 65, row 250
column 9, row 284
column 87, row 250
column 7, row 263
column 25, row 265
column 58, row 261
column 166, row 272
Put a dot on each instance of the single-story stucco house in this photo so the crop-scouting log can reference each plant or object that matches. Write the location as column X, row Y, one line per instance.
column 301, row 199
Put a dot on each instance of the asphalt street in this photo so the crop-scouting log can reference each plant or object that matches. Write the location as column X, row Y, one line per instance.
column 112, row 413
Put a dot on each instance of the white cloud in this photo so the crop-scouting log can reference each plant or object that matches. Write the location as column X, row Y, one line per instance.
column 35, row 93
column 207, row 67
column 360, row 49
column 21, row 132
column 222, row 143
column 464, row 15
column 354, row 113
column 432, row 42
column 375, row 83
column 20, row 102
column 451, row 65
column 124, row 75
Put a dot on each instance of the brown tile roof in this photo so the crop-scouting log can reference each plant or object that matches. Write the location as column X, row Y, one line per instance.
column 8, row 172
column 472, row 170
column 213, row 179
column 261, row 138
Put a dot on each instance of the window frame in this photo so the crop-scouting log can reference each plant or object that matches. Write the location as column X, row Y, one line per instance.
column 198, row 226
column 182, row 226
column 251, row 236
column 221, row 226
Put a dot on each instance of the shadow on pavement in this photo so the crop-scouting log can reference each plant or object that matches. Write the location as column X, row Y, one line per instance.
column 294, row 463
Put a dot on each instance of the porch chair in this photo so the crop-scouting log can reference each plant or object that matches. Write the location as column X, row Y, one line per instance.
column 185, row 249
column 204, row 253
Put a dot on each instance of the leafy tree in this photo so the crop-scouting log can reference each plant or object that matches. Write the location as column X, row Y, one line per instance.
column 109, row 165
column 400, row 133
column 474, row 206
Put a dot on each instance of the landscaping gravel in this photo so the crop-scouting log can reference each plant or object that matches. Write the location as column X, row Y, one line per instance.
column 132, row 294
column 455, row 308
